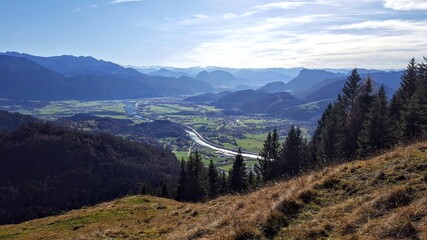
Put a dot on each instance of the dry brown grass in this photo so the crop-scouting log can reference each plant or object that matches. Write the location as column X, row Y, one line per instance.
column 380, row 198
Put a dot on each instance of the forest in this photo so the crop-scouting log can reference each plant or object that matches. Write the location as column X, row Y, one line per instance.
column 47, row 169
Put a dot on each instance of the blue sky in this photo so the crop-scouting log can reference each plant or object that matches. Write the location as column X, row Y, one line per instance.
column 229, row 33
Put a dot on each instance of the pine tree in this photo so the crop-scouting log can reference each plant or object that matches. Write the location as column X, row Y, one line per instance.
column 238, row 174
column 251, row 183
column 376, row 130
column 333, row 134
column 194, row 172
column 421, row 96
column 213, row 178
column 274, row 146
column 401, row 113
column 315, row 140
column 182, row 183
column 352, row 92
column 293, row 152
column 223, row 183
column 264, row 166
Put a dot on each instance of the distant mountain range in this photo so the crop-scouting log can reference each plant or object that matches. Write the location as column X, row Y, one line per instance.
column 81, row 78
column 303, row 98
column 24, row 77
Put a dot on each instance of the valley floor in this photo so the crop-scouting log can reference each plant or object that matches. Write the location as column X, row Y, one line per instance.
column 381, row 198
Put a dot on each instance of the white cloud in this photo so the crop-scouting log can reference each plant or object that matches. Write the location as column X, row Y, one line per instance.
column 201, row 16
column 284, row 5
column 124, row 1
column 291, row 42
column 229, row 15
column 406, row 5
column 391, row 24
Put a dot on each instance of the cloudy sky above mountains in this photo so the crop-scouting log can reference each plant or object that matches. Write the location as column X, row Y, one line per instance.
column 231, row 33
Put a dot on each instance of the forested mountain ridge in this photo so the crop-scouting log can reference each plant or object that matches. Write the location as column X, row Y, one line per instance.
column 46, row 169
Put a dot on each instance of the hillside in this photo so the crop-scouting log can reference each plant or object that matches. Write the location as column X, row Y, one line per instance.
column 218, row 78
column 273, row 87
column 12, row 121
column 310, row 77
column 46, row 169
column 380, row 198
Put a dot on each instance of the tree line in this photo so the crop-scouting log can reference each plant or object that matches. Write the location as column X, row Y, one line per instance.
column 361, row 122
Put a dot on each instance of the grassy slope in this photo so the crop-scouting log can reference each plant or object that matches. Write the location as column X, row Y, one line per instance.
column 384, row 197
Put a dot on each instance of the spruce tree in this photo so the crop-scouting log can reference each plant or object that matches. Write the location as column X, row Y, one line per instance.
column 238, row 174
column 223, row 183
column 401, row 113
column 182, row 183
column 213, row 179
column 251, row 183
column 194, row 173
column 317, row 136
column 264, row 166
column 294, row 153
column 376, row 130
column 274, row 146
column 333, row 134
column 352, row 91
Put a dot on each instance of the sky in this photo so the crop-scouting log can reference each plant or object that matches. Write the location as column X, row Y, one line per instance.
column 381, row 34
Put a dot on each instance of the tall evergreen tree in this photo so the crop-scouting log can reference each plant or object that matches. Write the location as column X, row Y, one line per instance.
column 274, row 148
column 213, row 180
column 194, row 173
column 401, row 114
column 223, row 182
column 333, row 134
column 294, row 153
column 376, row 128
column 317, row 136
column 251, row 183
column 182, row 183
column 264, row 166
column 238, row 174
column 352, row 91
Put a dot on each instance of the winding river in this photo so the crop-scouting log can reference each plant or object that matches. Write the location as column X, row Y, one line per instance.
column 199, row 140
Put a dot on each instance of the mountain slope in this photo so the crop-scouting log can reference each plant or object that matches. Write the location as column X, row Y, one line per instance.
column 308, row 78
column 237, row 99
column 12, row 121
column 390, row 79
column 273, row 87
column 218, row 78
column 380, row 198
column 72, row 66
column 331, row 91
column 271, row 103
column 45, row 169
column 163, row 72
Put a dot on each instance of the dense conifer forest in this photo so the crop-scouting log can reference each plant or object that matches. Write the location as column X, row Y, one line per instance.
column 46, row 169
